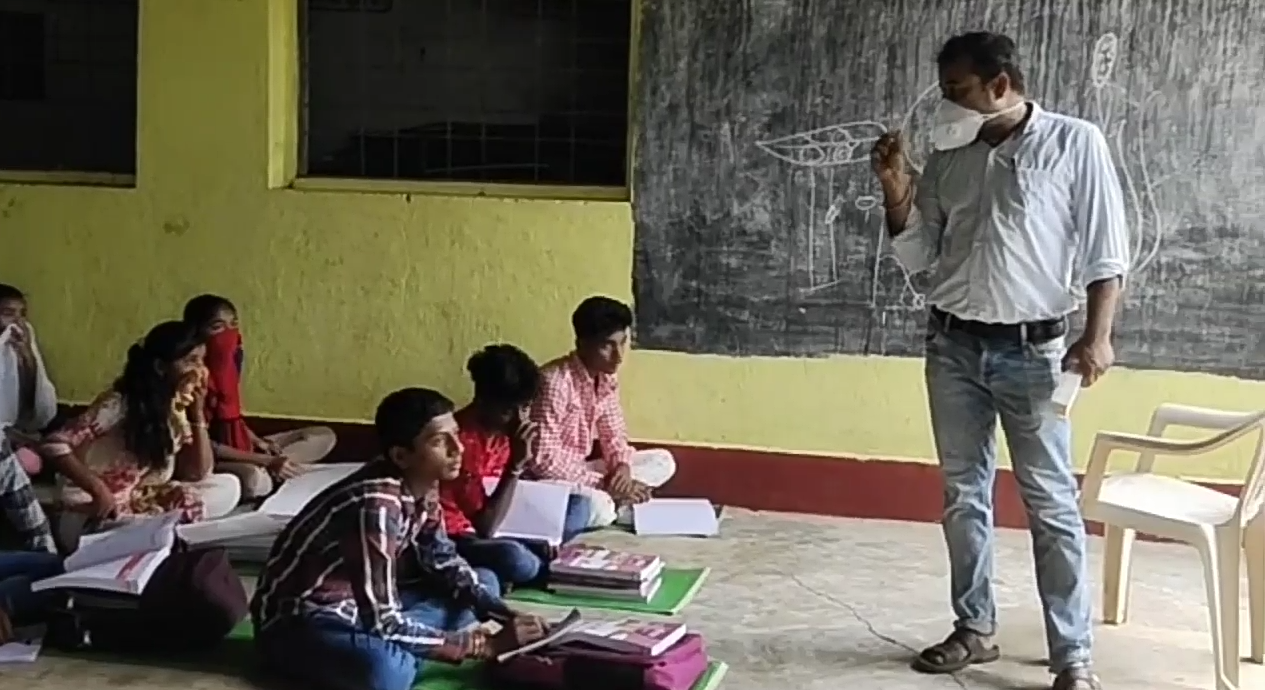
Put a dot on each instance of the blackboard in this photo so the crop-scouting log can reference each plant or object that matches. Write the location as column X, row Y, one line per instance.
column 759, row 225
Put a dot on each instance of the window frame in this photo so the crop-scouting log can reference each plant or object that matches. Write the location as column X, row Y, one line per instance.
column 450, row 188
column 89, row 178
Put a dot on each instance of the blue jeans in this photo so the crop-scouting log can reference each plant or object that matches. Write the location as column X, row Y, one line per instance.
column 516, row 561
column 579, row 508
column 18, row 569
column 329, row 654
column 971, row 382
column 513, row 561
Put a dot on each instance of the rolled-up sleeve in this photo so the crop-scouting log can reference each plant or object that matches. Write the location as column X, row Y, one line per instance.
column 1100, row 216
column 917, row 247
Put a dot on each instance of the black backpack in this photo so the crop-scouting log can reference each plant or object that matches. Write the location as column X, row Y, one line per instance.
column 191, row 603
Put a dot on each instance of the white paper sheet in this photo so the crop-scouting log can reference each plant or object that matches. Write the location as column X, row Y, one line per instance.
column 681, row 517
column 20, row 652
column 296, row 492
column 233, row 527
column 538, row 511
column 1065, row 393
column 127, row 575
column 157, row 533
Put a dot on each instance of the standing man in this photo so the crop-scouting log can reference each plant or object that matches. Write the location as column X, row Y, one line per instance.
column 1019, row 217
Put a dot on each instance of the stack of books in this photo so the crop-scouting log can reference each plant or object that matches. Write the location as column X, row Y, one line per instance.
column 595, row 571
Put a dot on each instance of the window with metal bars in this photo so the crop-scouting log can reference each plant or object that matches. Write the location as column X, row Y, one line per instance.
column 491, row 91
column 68, row 85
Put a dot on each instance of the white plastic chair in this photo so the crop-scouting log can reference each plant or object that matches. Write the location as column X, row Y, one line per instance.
column 1219, row 526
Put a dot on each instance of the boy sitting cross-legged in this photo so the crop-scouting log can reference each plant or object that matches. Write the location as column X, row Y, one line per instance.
column 497, row 444
column 363, row 585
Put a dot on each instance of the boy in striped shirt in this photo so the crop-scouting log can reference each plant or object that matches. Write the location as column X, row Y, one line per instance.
column 363, row 585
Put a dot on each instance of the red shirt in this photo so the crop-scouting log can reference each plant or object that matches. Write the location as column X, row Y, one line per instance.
column 484, row 454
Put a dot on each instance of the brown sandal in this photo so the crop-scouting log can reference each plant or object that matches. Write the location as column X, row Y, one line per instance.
column 1076, row 678
column 962, row 648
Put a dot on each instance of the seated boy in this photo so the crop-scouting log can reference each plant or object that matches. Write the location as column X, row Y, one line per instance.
column 34, row 557
column 496, row 441
column 363, row 585
column 28, row 401
column 579, row 404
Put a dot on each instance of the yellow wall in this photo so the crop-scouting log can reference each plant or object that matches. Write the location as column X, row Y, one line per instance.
column 348, row 295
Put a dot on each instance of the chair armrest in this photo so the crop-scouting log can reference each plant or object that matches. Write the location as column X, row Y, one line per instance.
column 1172, row 414
column 1105, row 442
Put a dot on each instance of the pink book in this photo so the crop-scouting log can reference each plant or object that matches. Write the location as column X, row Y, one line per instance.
column 631, row 636
column 585, row 561
column 642, row 593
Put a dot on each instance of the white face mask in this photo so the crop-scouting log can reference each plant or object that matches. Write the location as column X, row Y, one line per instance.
column 957, row 126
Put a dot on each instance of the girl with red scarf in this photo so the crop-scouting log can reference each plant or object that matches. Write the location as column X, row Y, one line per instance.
column 259, row 462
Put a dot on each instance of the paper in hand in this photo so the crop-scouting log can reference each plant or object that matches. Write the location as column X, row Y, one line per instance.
column 1065, row 392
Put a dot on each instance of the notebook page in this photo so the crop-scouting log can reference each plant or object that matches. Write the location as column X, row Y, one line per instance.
column 137, row 536
column 240, row 526
column 538, row 511
column 686, row 517
column 296, row 492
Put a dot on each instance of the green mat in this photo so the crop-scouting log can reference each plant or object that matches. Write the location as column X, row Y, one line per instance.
column 438, row 676
column 677, row 591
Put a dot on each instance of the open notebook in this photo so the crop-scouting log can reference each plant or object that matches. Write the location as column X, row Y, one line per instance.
column 295, row 493
column 275, row 512
column 121, row 560
column 538, row 510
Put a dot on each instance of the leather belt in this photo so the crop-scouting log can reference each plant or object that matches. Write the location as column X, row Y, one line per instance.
column 1028, row 332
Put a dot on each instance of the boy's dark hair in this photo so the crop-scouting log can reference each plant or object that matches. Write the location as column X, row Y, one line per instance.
column 504, row 375
column 988, row 55
column 402, row 414
column 9, row 292
column 598, row 318
column 201, row 310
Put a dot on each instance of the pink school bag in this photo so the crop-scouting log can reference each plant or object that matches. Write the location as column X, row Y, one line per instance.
column 580, row 667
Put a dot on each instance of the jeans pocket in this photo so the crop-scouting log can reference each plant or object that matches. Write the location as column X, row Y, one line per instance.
column 1053, row 348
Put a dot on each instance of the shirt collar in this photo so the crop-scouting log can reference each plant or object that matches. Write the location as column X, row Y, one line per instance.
column 603, row 383
column 1034, row 117
column 1033, row 121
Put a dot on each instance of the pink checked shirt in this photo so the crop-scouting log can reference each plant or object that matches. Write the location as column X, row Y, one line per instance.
column 572, row 410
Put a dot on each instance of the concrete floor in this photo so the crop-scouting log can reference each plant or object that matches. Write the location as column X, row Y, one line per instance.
column 822, row 604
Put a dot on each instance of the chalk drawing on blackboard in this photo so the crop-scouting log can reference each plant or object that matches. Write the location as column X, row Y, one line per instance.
column 822, row 151
column 842, row 144
column 1126, row 133
column 824, row 148
column 1106, row 51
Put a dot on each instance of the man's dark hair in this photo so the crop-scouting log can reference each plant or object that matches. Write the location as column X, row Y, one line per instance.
column 402, row 414
column 504, row 375
column 988, row 54
column 598, row 318
column 201, row 310
column 9, row 292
